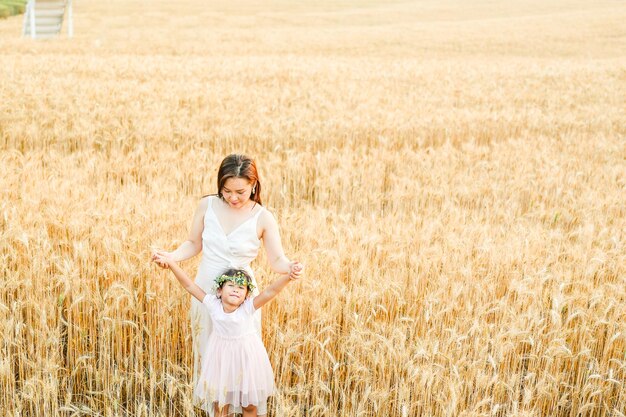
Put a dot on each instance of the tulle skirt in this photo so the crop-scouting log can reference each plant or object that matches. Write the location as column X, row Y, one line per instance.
column 237, row 372
column 202, row 328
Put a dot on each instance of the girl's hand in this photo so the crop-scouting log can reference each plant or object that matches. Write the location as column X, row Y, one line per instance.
column 162, row 258
column 296, row 270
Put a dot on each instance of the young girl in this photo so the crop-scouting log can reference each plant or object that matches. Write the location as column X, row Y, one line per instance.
column 236, row 370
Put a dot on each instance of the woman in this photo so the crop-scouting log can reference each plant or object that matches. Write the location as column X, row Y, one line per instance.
column 228, row 229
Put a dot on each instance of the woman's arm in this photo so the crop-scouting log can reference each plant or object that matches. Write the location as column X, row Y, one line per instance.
column 270, row 292
column 193, row 245
column 274, row 248
column 182, row 277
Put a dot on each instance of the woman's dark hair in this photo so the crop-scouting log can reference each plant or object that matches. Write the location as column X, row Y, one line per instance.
column 239, row 166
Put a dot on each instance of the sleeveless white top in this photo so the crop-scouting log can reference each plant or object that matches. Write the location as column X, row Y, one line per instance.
column 221, row 251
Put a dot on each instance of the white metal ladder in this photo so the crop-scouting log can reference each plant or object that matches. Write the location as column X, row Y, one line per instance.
column 44, row 18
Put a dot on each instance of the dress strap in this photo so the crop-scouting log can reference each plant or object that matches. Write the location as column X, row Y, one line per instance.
column 259, row 212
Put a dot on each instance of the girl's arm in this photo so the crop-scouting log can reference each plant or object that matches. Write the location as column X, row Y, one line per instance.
column 182, row 277
column 193, row 245
column 274, row 248
column 272, row 291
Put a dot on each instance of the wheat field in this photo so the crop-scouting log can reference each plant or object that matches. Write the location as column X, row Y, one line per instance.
column 452, row 173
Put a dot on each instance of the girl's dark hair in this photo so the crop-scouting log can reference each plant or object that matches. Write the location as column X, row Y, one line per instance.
column 239, row 166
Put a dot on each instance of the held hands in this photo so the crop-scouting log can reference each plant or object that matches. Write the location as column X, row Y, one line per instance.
column 296, row 270
column 163, row 259
column 166, row 260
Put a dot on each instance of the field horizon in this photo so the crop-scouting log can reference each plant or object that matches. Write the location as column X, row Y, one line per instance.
column 453, row 175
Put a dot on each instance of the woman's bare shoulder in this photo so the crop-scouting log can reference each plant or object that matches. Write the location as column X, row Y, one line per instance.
column 203, row 204
column 266, row 215
column 266, row 220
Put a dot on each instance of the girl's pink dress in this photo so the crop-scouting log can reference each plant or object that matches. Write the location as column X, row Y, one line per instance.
column 235, row 367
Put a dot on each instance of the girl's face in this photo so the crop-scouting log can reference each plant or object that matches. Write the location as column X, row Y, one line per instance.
column 232, row 294
column 236, row 192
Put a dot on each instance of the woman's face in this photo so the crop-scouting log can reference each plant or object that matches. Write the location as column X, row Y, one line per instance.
column 236, row 192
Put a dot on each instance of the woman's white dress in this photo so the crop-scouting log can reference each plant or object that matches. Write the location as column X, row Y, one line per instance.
column 220, row 251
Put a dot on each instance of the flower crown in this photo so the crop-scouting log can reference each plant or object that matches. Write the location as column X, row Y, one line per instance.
column 239, row 278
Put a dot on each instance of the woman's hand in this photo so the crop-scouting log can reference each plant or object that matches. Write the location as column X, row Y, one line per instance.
column 162, row 258
column 296, row 270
